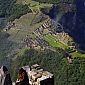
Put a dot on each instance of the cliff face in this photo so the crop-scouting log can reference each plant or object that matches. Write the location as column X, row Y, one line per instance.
column 73, row 23
column 72, row 18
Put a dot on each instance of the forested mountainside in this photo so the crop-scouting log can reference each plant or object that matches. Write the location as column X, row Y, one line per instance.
column 10, row 10
column 45, row 32
column 56, row 62
column 55, row 1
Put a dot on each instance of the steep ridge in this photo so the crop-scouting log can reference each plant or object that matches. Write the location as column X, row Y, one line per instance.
column 73, row 23
column 48, row 42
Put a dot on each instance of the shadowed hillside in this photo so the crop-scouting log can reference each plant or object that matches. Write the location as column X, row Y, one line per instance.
column 45, row 32
column 73, row 23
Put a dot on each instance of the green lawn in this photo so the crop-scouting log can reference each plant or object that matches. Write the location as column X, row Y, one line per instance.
column 77, row 54
column 53, row 42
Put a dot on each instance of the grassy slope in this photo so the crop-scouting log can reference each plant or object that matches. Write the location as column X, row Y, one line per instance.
column 33, row 5
column 44, row 58
column 78, row 54
column 53, row 41
column 17, row 34
column 23, row 27
column 55, row 62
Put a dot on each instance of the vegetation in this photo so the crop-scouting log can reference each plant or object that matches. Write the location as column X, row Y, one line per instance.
column 33, row 5
column 45, row 59
column 78, row 54
column 55, row 1
column 55, row 62
column 10, row 10
column 5, row 6
column 6, row 48
column 17, row 11
column 13, row 54
column 52, row 40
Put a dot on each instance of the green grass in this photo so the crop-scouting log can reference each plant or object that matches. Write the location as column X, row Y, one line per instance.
column 53, row 42
column 33, row 5
column 24, row 1
column 33, row 35
column 23, row 28
column 78, row 54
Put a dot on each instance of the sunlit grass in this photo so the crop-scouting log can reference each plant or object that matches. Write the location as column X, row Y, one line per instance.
column 33, row 5
column 54, row 42
column 77, row 54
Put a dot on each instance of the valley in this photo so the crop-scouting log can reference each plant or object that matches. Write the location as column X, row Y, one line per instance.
column 44, row 35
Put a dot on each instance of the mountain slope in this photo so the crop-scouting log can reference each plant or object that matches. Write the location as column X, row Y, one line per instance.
column 38, row 37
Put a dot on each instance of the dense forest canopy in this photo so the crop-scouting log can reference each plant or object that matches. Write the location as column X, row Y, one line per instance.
column 54, row 62
column 10, row 10
column 55, row 1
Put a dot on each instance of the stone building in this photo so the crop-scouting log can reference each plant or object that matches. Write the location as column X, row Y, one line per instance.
column 38, row 76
